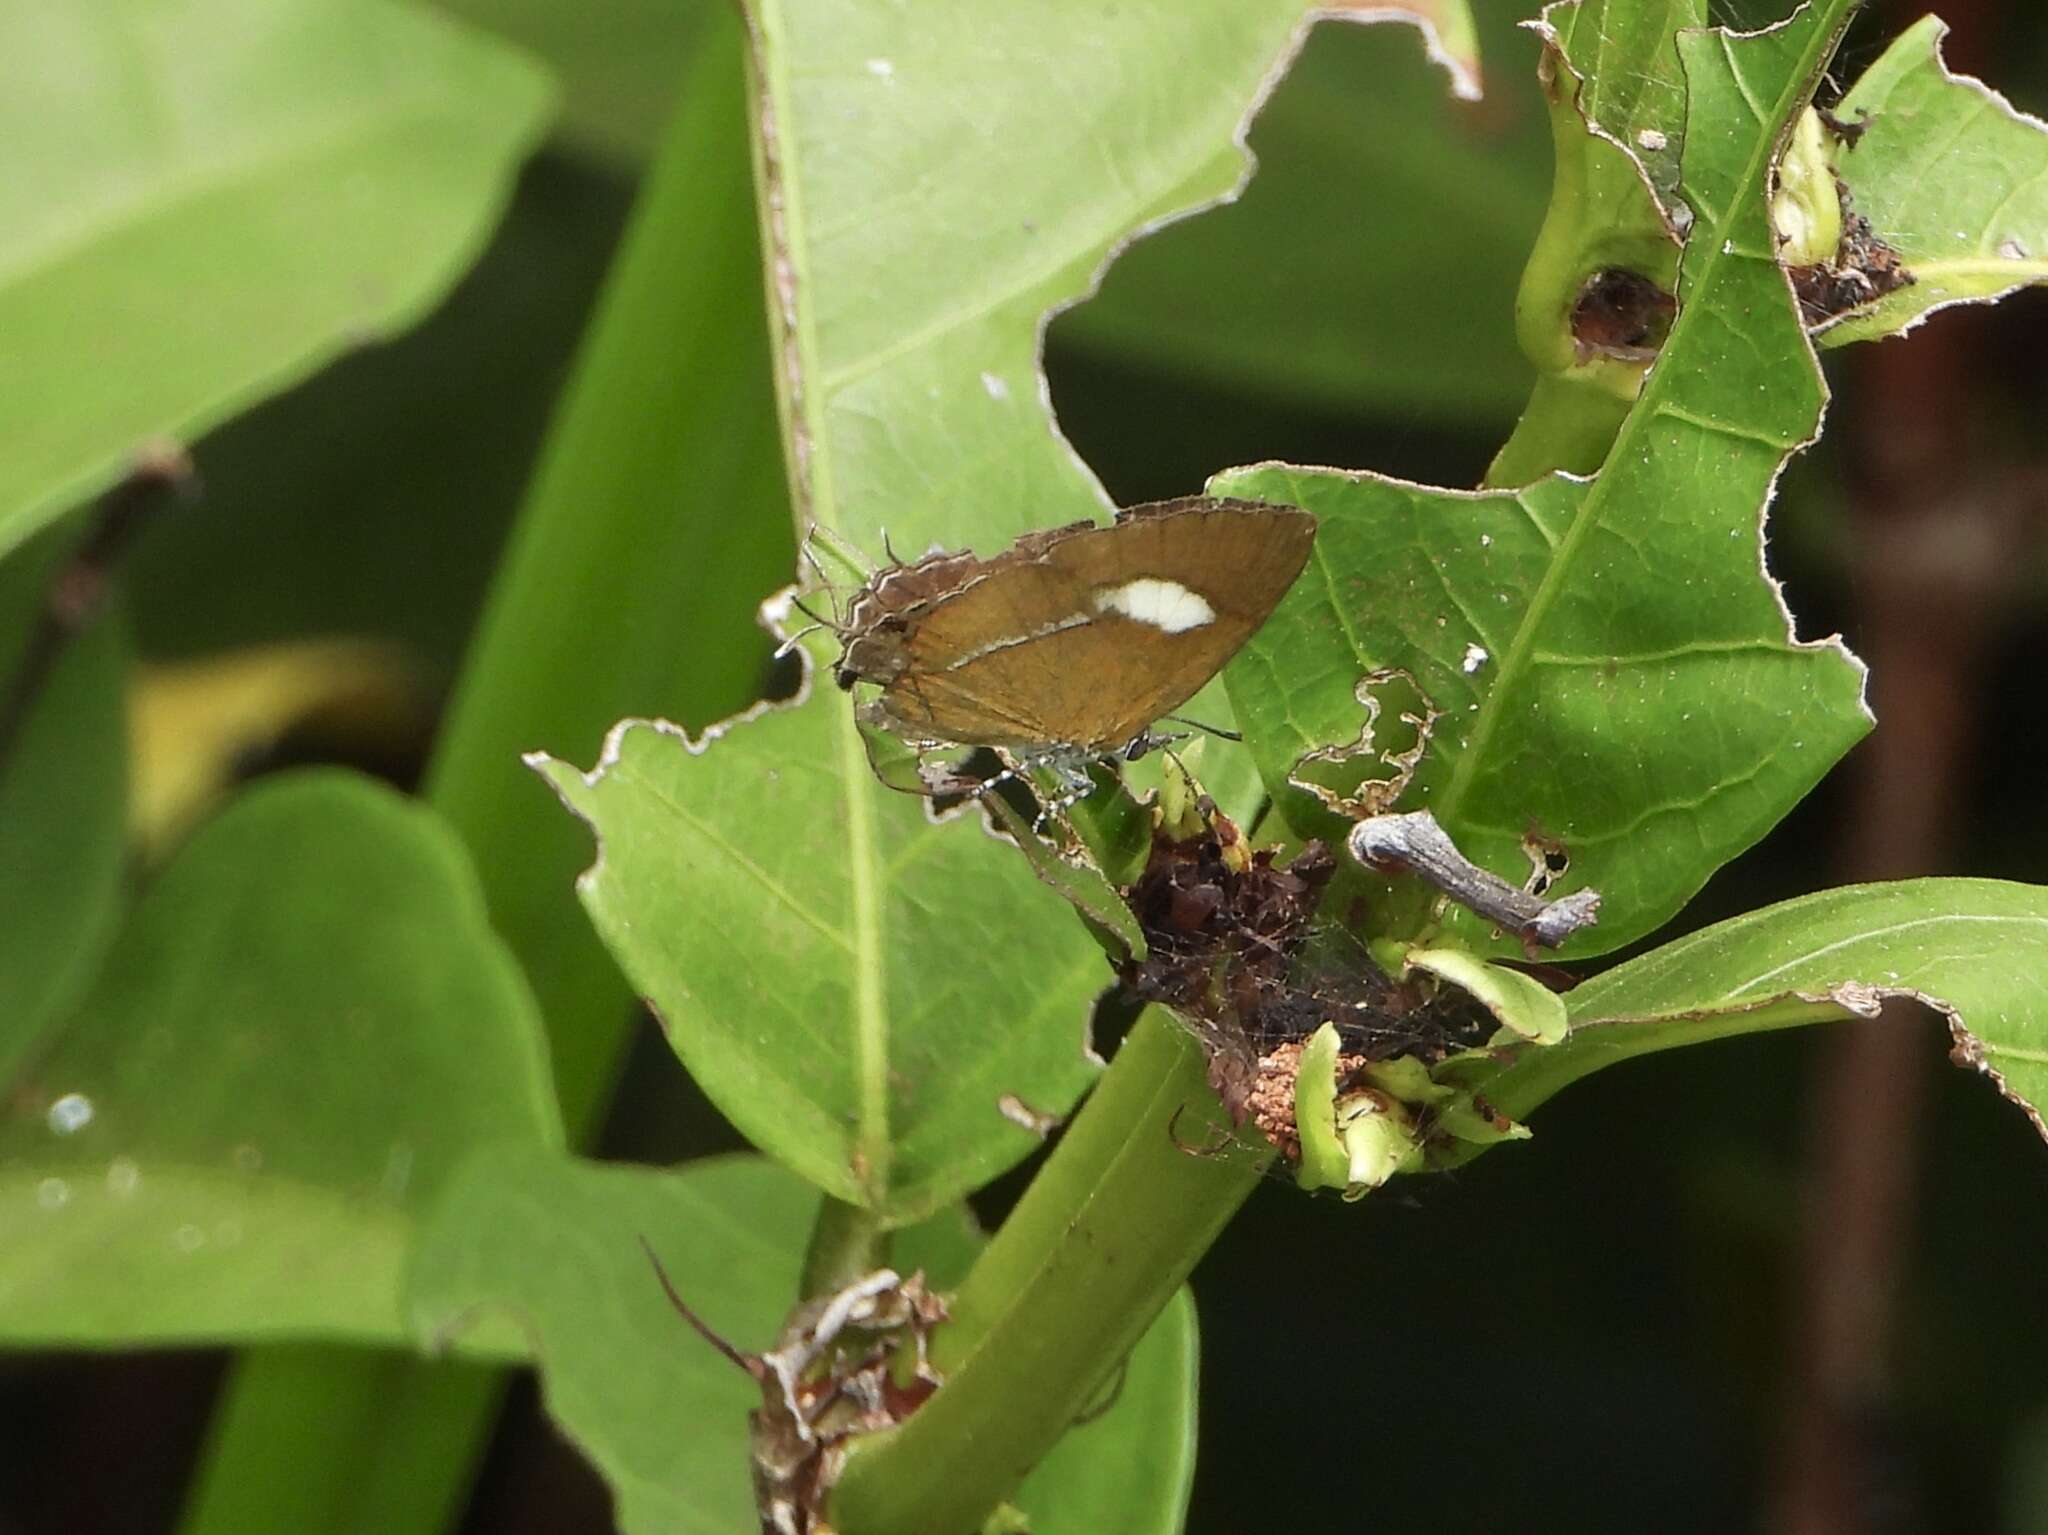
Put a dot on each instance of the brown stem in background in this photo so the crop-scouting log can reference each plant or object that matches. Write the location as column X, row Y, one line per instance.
column 78, row 591
column 1934, row 526
column 1932, row 549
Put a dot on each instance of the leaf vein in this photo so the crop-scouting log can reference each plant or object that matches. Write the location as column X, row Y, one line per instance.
column 709, row 833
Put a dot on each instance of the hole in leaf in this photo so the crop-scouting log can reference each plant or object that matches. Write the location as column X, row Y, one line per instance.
column 1355, row 306
column 1548, row 862
column 1621, row 314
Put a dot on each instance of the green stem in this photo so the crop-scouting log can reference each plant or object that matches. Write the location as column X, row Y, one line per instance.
column 1100, row 1242
column 1601, row 215
column 1567, row 425
column 1601, row 1042
column 846, row 1242
column 656, row 521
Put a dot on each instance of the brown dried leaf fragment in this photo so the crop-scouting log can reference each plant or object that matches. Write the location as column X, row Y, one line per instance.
column 831, row 1379
column 1237, row 948
column 1864, row 270
column 1221, row 924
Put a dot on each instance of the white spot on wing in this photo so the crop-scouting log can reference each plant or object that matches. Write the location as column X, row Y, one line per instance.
column 1165, row 605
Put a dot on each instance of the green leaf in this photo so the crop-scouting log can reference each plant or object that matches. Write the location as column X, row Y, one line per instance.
column 858, row 987
column 1974, row 950
column 619, row 72
column 202, row 201
column 1626, row 54
column 628, row 586
column 1523, row 1005
column 1132, row 1469
column 1091, row 1254
column 63, row 831
column 663, row 1417
column 1610, row 668
column 304, row 1025
column 910, row 373
column 1616, row 95
column 1950, row 175
column 914, row 277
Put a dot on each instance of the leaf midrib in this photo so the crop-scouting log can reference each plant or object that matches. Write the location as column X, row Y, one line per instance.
column 1710, row 244
column 871, row 1022
column 801, row 382
column 792, row 324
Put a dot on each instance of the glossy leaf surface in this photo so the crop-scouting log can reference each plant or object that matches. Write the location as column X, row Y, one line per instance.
column 201, row 201
column 302, row 1027
column 857, row 987
column 1974, row 950
column 63, row 834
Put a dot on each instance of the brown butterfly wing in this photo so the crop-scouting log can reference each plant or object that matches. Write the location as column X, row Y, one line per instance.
column 1026, row 654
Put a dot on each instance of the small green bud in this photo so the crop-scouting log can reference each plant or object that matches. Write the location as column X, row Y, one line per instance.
column 1806, row 210
column 1323, row 1158
column 1379, row 1140
column 1407, row 1079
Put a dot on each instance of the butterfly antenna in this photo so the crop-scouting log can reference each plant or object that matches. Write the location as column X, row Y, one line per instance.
column 843, row 554
column 818, row 621
column 797, row 638
column 809, row 556
column 1215, row 730
column 745, row 1361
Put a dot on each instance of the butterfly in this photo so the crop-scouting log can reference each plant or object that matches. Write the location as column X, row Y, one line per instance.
column 1073, row 642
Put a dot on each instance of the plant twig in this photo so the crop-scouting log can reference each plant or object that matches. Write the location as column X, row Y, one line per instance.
column 162, row 474
column 1415, row 843
column 1096, row 1247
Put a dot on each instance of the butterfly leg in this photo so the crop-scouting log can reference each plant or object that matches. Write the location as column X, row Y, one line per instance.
column 1146, row 742
column 1076, row 784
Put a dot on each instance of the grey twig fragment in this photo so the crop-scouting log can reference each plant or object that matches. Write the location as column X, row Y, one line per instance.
column 1415, row 842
